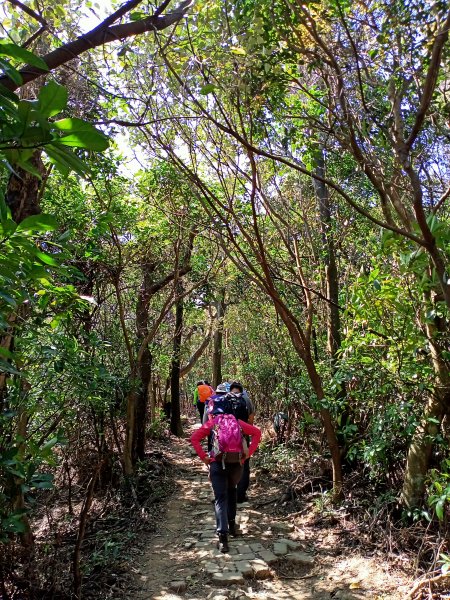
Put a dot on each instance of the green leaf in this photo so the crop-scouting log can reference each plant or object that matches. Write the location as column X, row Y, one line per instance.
column 9, row 94
column 11, row 72
column 52, row 99
column 440, row 508
column 3, row 209
column 376, row 284
column 47, row 259
column 50, row 443
column 207, row 89
column 238, row 50
column 6, row 353
column 22, row 55
column 138, row 16
column 5, row 367
column 8, row 299
column 80, row 134
column 64, row 159
column 40, row 222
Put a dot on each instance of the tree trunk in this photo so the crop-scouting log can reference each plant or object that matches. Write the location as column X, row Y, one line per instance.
column 26, row 537
column 218, row 340
column 24, row 191
column 316, row 382
column 128, row 463
column 331, row 273
column 175, row 417
column 437, row 407
column 330, row 433
column 145, row 363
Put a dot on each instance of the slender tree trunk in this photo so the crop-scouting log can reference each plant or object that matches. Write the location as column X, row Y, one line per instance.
column 84, row 514
column 305, row 355
column 218, row 340
column 145, row 363
column 329, row 259
column 175, row 418
column 26, row 537
column 128, row 463
column 327, row 420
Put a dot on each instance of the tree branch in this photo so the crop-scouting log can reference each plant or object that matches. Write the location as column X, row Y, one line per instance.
column 100, row 35
column 29, row 12
column 430, row 81
column 197, row 354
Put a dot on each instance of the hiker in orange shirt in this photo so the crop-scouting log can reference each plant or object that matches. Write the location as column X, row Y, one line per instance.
column 202, row 393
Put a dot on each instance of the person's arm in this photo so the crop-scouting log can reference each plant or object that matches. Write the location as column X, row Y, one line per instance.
column 198, row 435
column 255, row 432
column 250, row 408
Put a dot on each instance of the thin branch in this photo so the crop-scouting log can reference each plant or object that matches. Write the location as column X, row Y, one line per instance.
column 430, row 81
column 29, row 12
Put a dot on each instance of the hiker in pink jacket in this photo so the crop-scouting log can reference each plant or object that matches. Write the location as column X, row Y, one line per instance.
column 225, row 467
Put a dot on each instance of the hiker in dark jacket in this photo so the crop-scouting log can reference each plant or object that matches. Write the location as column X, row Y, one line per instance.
column 244, row 482
column 224, row 478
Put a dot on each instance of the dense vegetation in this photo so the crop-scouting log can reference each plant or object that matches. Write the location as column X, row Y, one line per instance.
column 256, row 191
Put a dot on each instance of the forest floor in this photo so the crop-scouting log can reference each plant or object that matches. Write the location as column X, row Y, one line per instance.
column 279, row 556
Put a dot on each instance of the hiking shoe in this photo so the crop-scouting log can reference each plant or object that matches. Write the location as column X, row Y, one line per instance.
column 223, row 542
column 233, row 528
column 243, row 499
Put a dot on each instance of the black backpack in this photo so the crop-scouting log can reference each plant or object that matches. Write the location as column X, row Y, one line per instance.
column 230, row 404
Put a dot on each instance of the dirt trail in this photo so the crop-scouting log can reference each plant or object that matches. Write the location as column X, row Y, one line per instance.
column 274, row 559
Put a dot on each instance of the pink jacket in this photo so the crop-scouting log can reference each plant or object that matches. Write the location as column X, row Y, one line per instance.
column 205, row 429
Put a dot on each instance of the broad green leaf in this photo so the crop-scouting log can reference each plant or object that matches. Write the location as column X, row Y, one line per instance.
column 40, row 222
column 10, row 72
column 3, row 209
column 22, row 55
column 9, row 94
column 52, row 99
column 6, row 353
column 64, row 159
column 80, row 134
column 440, row 508
column 47, row 259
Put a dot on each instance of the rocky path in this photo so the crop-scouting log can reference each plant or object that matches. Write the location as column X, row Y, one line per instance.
column 274, row 559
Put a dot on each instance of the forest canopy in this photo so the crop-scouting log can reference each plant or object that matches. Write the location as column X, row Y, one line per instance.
column 254, row 191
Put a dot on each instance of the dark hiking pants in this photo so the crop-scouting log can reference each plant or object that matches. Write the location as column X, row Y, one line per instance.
column 224, row 482
column 244, row 482
column 201, row 410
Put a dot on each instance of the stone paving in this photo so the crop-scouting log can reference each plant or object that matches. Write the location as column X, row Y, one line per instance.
column 271, row 559
column 251, row 555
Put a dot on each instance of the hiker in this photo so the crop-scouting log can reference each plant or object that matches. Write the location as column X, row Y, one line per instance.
column 237, row 389
column 202, row 393
column 221, row 391
column 280, row 422
column 225, row 461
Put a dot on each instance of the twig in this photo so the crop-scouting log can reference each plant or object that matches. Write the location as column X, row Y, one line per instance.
column 429, row 581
